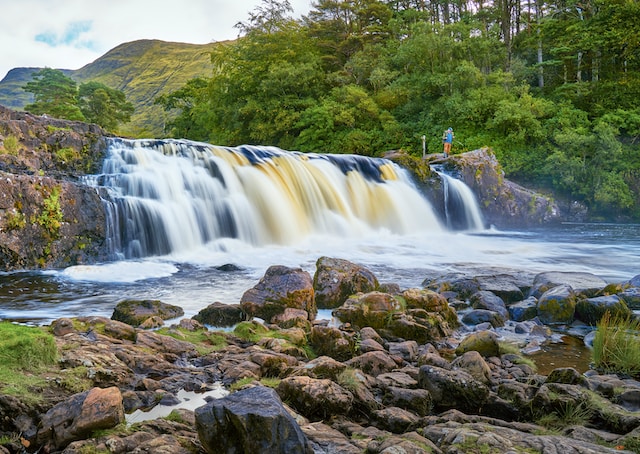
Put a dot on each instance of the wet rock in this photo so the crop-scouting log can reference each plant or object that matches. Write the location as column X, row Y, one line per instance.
column 585, row 283
column 631, row 296
column 253, row 420
column 485, row 299
column 220, row 315
column 134, row 312
column 504, row 286
column 557, row 305
column 82, row 414
column 591, row 310
column 335, row 280
column 479, row 316
column 279, row 288
column 523, row 310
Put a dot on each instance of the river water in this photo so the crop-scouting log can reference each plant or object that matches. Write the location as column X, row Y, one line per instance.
column 192, row 223
column 199, row 277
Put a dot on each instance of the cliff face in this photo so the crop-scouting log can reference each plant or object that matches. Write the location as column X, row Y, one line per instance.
column 504, row 203
column 47, row 218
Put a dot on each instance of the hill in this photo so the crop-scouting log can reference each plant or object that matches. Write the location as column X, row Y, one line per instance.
column 142, row 69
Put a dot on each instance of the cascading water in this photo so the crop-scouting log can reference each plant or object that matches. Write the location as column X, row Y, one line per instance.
column 169, row 196
column 460, row 205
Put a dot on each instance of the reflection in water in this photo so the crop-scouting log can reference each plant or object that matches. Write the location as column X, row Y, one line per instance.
column 571, row 352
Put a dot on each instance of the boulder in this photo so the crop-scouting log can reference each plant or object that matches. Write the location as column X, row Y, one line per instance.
column 330, row 341
column 485, row 299
column 134, row 312
column 453, row 389
column 250, row 420
column 557, row 305
column 483, row 342
column 80, row 415
column 505, row 286
column 373, row 363
column 335, row 280
column 591, row 310
column 373, row 309
column 315, row 398
column 584, row 283
column 279, row 288
column 523, row 310
column 479, row 316
column 220, row 315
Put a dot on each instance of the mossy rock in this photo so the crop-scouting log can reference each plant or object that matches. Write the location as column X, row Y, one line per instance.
column 134, row 312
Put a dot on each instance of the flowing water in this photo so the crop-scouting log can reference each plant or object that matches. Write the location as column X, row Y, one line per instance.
column 182, row 212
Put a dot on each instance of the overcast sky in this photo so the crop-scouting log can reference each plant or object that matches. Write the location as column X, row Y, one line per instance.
column 68, row 34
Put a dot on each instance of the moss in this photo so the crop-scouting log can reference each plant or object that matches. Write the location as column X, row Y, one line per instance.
column 204, row 341
column 11, row 145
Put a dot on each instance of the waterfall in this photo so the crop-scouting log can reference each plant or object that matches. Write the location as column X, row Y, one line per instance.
column 460, row 205
column 170, row 196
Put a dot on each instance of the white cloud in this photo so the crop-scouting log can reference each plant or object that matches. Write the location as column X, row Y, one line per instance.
column 69, row 34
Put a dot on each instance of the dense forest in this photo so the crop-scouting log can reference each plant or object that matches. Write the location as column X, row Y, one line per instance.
column 552, row 87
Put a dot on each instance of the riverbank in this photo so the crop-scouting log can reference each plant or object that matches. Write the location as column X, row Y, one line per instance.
column 419, row 369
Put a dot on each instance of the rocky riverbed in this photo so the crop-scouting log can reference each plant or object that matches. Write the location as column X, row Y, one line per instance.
column 422, row 370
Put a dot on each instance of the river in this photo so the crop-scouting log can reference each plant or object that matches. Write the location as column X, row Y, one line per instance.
column 192, row 223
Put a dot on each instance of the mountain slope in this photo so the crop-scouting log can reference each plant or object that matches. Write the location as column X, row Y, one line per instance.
column 142, row 69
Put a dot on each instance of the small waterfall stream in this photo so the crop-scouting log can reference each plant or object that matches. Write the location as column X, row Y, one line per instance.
column 460, row 205
column 172, row 195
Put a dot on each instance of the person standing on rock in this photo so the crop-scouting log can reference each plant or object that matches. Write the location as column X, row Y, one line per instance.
column 447, row 140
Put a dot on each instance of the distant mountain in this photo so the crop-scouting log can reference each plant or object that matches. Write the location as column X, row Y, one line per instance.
column 142, row 69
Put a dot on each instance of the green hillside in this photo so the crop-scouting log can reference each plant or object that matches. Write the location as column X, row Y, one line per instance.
column 142, row 69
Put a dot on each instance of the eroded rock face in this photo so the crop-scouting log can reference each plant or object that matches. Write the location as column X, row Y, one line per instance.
column 47, row 218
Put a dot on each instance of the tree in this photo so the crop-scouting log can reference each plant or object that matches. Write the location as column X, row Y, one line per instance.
column 55, row 94
column 103, row 105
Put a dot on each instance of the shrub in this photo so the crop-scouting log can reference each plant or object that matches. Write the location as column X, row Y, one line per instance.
column 616, row 346
column 11, row 145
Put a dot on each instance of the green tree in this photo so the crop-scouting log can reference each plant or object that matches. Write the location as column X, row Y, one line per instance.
column 103, row 105
column 55, row 94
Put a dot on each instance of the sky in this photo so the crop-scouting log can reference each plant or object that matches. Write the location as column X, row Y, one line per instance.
column 68, row 34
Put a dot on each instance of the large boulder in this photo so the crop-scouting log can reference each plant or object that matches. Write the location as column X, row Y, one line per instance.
column 584, row 283
column 80, row 415
column 453, row 389
column 279, row 288
column 336, row 280
column 557, row 306
column 591, row 310
column 220, row 315
column 134, row 312
column 315, row 398
column 373, row 309
column 250, row 420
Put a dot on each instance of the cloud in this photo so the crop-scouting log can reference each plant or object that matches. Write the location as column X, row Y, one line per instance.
column 71, row 36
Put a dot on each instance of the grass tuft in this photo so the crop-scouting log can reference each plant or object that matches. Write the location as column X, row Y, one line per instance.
column 616, row 346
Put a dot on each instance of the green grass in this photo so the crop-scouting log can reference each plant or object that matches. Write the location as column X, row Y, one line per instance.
column 205, row 341
column 569, row 414
column 24, row 353
column 616, row 346
column 11, row 145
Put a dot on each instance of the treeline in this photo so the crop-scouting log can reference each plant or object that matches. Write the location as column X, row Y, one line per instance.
column 553, row 87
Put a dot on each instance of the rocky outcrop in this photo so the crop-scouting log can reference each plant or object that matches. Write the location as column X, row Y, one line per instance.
column 48, row 219
column 503, row 203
